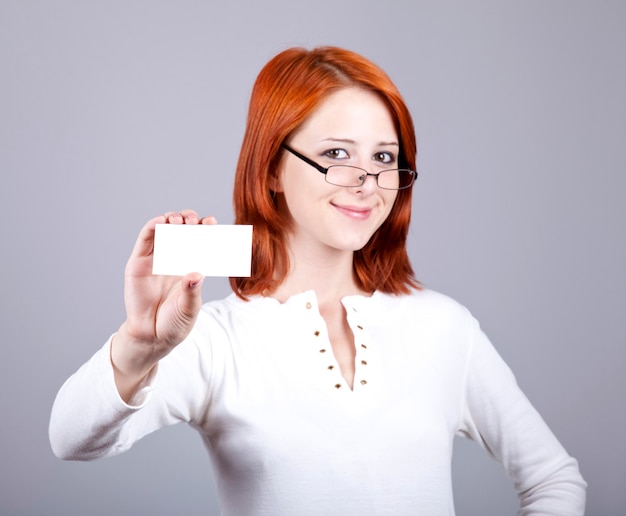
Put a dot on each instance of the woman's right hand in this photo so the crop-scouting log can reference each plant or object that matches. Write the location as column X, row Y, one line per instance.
column 160, row 310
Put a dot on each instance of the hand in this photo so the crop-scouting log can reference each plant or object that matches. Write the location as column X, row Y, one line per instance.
column 160, row 310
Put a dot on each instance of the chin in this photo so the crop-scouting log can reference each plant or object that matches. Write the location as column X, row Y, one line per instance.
column 351, row 244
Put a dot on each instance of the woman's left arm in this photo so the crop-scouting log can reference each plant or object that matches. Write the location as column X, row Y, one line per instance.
column 500, row 417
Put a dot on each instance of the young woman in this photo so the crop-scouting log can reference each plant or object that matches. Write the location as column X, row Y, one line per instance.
column 329, row 382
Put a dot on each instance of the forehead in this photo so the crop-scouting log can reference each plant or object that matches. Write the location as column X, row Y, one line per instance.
column 350, row 113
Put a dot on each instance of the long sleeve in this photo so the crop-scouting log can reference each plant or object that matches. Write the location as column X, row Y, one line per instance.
column 500, row 418
column 286, row 433
column 88, row 416
column 89, row 420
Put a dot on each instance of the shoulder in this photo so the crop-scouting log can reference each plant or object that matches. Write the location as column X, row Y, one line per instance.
column 232, row 313
column 427, row 313
column 232, row 305
column 423, row 302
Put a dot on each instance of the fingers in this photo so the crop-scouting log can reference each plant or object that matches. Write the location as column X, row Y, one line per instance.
column 208, row 220
column 187, row 217
column 181, row 217
column 145, row 241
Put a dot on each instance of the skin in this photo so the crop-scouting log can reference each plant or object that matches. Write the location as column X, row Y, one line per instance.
column 352, row 127
column 327, row 224
column 160, row 310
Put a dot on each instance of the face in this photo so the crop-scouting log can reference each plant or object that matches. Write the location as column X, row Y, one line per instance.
column 351, row 127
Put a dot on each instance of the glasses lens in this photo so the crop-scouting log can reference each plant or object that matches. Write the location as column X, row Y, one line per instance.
column 389, row 179
column 395, row 179
column 340, row 175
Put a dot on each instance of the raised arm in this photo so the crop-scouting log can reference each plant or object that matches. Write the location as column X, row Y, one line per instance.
column 88, row 415
column 160, row 310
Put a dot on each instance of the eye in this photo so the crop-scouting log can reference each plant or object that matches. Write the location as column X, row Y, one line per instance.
column 336, row 154
column 384, row 157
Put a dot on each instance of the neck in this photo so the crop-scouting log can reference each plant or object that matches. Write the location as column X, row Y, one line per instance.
column 330, row 274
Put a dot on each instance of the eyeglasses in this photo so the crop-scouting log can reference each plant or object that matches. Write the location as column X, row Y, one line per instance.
column 349, row 176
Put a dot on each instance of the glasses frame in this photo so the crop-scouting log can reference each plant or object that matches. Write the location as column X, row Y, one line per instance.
column 324, row 170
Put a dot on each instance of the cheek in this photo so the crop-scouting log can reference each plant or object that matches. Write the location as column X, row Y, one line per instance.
column 390, row 201
column 302, row 187
column 390, row 197
column 295, row 202
column 294, row 193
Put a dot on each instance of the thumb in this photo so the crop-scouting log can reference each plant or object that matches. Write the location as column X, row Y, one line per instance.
column 191, row 295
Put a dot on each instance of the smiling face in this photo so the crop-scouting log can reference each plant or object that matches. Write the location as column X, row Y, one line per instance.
column 351, row 127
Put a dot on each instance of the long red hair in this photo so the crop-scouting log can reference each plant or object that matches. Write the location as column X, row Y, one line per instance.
column 286, row 92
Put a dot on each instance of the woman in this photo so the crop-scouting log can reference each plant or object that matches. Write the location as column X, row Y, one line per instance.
column 329, row 382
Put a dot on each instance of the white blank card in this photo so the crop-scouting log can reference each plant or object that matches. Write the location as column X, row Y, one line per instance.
column 210, row 249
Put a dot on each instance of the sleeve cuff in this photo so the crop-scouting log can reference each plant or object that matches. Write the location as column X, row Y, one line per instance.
column 144, row 392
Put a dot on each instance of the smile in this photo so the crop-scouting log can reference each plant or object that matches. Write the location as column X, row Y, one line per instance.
column 354, row 212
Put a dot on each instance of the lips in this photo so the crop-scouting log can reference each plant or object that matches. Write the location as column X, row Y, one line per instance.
column 354, row 212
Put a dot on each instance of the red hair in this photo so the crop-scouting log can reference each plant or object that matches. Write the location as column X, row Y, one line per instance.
column 287, row 90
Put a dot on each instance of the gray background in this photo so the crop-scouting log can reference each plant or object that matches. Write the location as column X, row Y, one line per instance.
column 112, row 112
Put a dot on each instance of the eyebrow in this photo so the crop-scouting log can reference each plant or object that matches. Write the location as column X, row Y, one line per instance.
column 348, row 140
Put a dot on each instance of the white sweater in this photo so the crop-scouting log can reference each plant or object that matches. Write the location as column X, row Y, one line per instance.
column 259, row 381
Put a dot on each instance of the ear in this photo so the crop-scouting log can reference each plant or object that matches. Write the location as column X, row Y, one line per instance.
column 275, row 183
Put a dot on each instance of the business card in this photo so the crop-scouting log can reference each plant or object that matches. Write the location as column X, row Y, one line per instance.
column 210, row 249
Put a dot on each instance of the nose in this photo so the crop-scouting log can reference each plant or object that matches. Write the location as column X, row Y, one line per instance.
column 370, row 183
